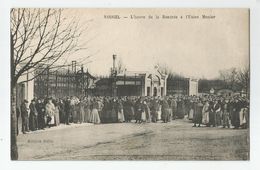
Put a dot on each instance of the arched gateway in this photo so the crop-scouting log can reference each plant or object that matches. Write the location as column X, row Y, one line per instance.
column 141, row 83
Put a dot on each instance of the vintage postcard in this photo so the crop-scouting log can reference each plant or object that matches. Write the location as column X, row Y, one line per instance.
column 130, row 84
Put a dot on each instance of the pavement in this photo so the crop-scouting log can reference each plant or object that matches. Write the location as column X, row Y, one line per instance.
column 176, row 140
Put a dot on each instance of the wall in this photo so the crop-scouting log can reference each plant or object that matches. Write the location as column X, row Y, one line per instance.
column 25, row 90
column 193, row 87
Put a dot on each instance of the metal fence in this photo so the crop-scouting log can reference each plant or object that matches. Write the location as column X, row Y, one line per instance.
column 60, row 84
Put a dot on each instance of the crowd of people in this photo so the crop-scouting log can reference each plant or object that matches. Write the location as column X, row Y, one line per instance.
column 215, row 111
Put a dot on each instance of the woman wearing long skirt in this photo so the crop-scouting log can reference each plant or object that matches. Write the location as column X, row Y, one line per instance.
column 56, row 113
column 191, row 112
column 147, row 112
column 94, row 114
column 81, row 111
column 33, row 116
column 198, row 114
column 180, row 108
column 57, row 116
column 138, row 111
column 74, row 114
column 165, row 111
column 88, row 108
column 205, row 114
column 113, row 117
column 50, row 110
column 159, row 113
column 154, row 110
column 128, row 110
column 120, row 112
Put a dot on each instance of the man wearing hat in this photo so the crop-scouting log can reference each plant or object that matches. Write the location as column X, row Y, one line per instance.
column 24, row 114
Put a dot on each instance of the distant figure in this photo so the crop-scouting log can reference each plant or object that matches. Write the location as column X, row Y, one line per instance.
column 25, row 116
column 33, row 121
column 226, row 114
column 198, row 114
column 120, row 112
column 67, row 110
column 205, row 114
column 154, row 110
column 138, row 111
column 94, row 114
column 165, row 111
column 41, row 114
column 50, row 111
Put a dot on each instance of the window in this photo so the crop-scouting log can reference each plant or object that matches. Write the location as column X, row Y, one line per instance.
column 162, row 91
column 148, row 91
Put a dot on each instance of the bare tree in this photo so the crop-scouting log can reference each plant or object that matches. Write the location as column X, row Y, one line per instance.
column 243, row 78
column 39, row 38
column 229, row 76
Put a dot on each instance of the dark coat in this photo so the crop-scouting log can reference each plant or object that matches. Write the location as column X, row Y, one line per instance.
column 24, row 111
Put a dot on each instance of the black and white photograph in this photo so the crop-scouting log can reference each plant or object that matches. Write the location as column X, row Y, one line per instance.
column 130, row 84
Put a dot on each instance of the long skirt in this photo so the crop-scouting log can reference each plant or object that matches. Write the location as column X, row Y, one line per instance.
column 86, row 115
column 81, row 115
column 205, row 118
column 236, row 119
column 121, row 117
column 75, row 116
column 174, row 113
column 143, row 116
column 57, row 118
column 242, row 117
column 51, row 120
column 95, row 117
column 113, row 118
column 138, row 115
column 106, row 116
column 148, row 116
column 159, row 114
column 129, row 113
column 191, row 112
column 197, row 118
column 165, row 115
column 32, row 122
column 154, row 115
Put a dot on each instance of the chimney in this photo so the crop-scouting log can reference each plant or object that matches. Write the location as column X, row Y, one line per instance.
column 114, row 62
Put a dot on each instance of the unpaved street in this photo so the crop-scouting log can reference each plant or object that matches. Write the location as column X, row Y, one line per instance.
column 177, row 140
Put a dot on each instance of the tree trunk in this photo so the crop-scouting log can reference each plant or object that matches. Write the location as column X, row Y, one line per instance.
column 14, row 150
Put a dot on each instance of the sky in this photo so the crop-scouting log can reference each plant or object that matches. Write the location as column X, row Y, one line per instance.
column 192, row 47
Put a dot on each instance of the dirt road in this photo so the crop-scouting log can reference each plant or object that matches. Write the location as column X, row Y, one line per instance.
column 177, row 140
